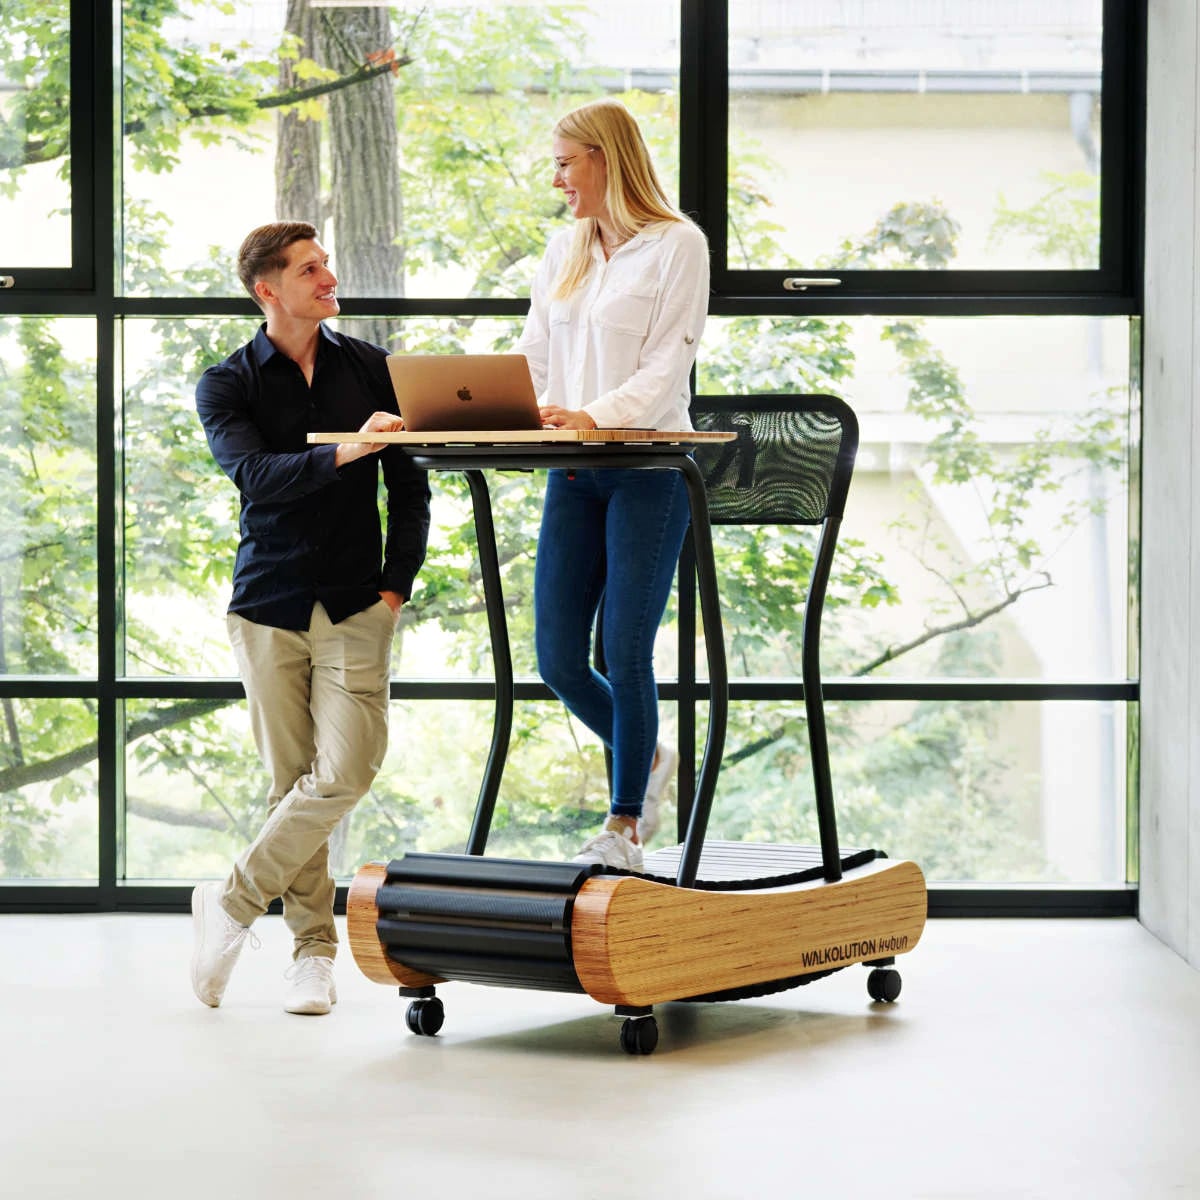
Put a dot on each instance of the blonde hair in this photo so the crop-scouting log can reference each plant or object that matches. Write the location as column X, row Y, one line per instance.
column 633, row 194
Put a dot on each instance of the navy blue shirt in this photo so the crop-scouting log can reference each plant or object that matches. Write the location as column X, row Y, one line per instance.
column 310, row 530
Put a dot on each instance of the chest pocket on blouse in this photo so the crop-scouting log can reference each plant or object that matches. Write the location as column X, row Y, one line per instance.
column 627, row 309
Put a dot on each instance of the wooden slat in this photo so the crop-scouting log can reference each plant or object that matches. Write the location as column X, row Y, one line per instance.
column 637, row 942
column 525, row 437
column 368, row 951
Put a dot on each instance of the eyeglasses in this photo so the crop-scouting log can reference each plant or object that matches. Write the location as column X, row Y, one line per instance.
column 561, row 164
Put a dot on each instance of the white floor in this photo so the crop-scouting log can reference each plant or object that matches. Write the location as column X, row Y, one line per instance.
column 1053, row 1059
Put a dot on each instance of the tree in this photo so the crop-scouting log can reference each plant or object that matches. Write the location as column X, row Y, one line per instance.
column 362, row 145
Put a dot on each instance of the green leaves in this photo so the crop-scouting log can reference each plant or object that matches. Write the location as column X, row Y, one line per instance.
column 1063, row 224
column 476, row 108
column 35, row 120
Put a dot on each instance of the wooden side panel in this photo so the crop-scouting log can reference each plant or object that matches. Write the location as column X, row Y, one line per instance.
column 637, row 942
column 368, row 951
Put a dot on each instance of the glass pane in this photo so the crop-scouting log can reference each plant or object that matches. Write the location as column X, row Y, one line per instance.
column 49, row 821
column 940, row 783
column 982, row 792
column 919, row 135
column 553, row 796
column 47, row 496
column 196, row 792
column 417, row 139
column 986, row 533
column 35, row 134
column 181, row 513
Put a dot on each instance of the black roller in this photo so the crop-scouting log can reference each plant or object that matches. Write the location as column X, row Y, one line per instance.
column 505, row 922
column 408, row 938
column 492, row 905
column 639, row 1035
column 489, row 872
column 497, row 970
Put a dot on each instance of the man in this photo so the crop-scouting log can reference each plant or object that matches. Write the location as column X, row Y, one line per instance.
column 313, row 611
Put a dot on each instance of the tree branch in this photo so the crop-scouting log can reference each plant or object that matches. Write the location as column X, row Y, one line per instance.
column 750, row 749
column 207, row 788
column 164, row 813
column 363, row 74
column 968, row 622
column 16, row 777
column 39, row 150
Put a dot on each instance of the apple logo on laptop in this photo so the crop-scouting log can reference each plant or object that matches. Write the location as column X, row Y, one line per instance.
column 463, row 393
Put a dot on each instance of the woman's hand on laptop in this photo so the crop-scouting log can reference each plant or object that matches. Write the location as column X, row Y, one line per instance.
column 554, row 417
column 377, row 422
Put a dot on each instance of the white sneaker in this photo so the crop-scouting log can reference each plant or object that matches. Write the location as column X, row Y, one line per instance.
column 613, row 846
column 217, row 940
column 313, row 991
column 661, row 774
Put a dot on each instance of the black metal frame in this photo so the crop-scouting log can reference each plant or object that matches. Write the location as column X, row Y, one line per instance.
column 92, row 287
column 830, row 521
column 645, row 456
column 1113, row 287
column 86, row 29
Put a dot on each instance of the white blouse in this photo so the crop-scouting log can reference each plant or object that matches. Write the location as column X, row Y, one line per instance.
column 622, row 346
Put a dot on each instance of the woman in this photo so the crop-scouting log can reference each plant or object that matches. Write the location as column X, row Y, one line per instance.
column 617, row 308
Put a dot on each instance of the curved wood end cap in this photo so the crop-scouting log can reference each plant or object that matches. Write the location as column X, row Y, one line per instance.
column 362, row 913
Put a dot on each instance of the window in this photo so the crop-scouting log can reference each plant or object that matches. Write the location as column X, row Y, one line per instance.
column 986, row 531
column 969, row 150
column 45, row 145
column 969, row 173
column 999, row 792
column 417, row 137
column 48, row 496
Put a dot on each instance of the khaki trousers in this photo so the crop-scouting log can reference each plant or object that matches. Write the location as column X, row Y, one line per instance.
column 318, row 701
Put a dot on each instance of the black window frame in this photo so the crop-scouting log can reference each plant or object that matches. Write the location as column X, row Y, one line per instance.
column 1114, row 287
column 92, row 288
column 80, row 276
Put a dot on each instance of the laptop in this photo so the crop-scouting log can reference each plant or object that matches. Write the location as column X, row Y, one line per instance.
column 441, row 392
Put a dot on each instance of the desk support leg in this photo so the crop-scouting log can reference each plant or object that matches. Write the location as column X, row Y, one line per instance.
column 493, row 594
column 714, row 643
column 810, row 667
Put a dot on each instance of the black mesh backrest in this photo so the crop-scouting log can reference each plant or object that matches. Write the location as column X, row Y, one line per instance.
column 791, row 462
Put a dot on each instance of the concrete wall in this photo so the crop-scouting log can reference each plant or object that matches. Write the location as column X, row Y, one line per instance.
column 1170, row 737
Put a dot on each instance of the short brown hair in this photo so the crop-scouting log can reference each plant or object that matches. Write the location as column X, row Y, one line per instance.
column 262, row 251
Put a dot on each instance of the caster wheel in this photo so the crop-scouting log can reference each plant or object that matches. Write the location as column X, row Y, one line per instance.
column 425, row 1017
column 883, row 984
column 639, row 1035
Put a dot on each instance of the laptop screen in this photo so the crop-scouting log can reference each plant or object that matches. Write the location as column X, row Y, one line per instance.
column 438, row 392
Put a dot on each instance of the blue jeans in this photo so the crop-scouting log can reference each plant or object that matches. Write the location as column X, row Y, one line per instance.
column 611, row 534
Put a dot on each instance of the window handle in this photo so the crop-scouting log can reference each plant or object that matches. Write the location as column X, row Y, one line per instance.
column 798, row 283
column 7, row 281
